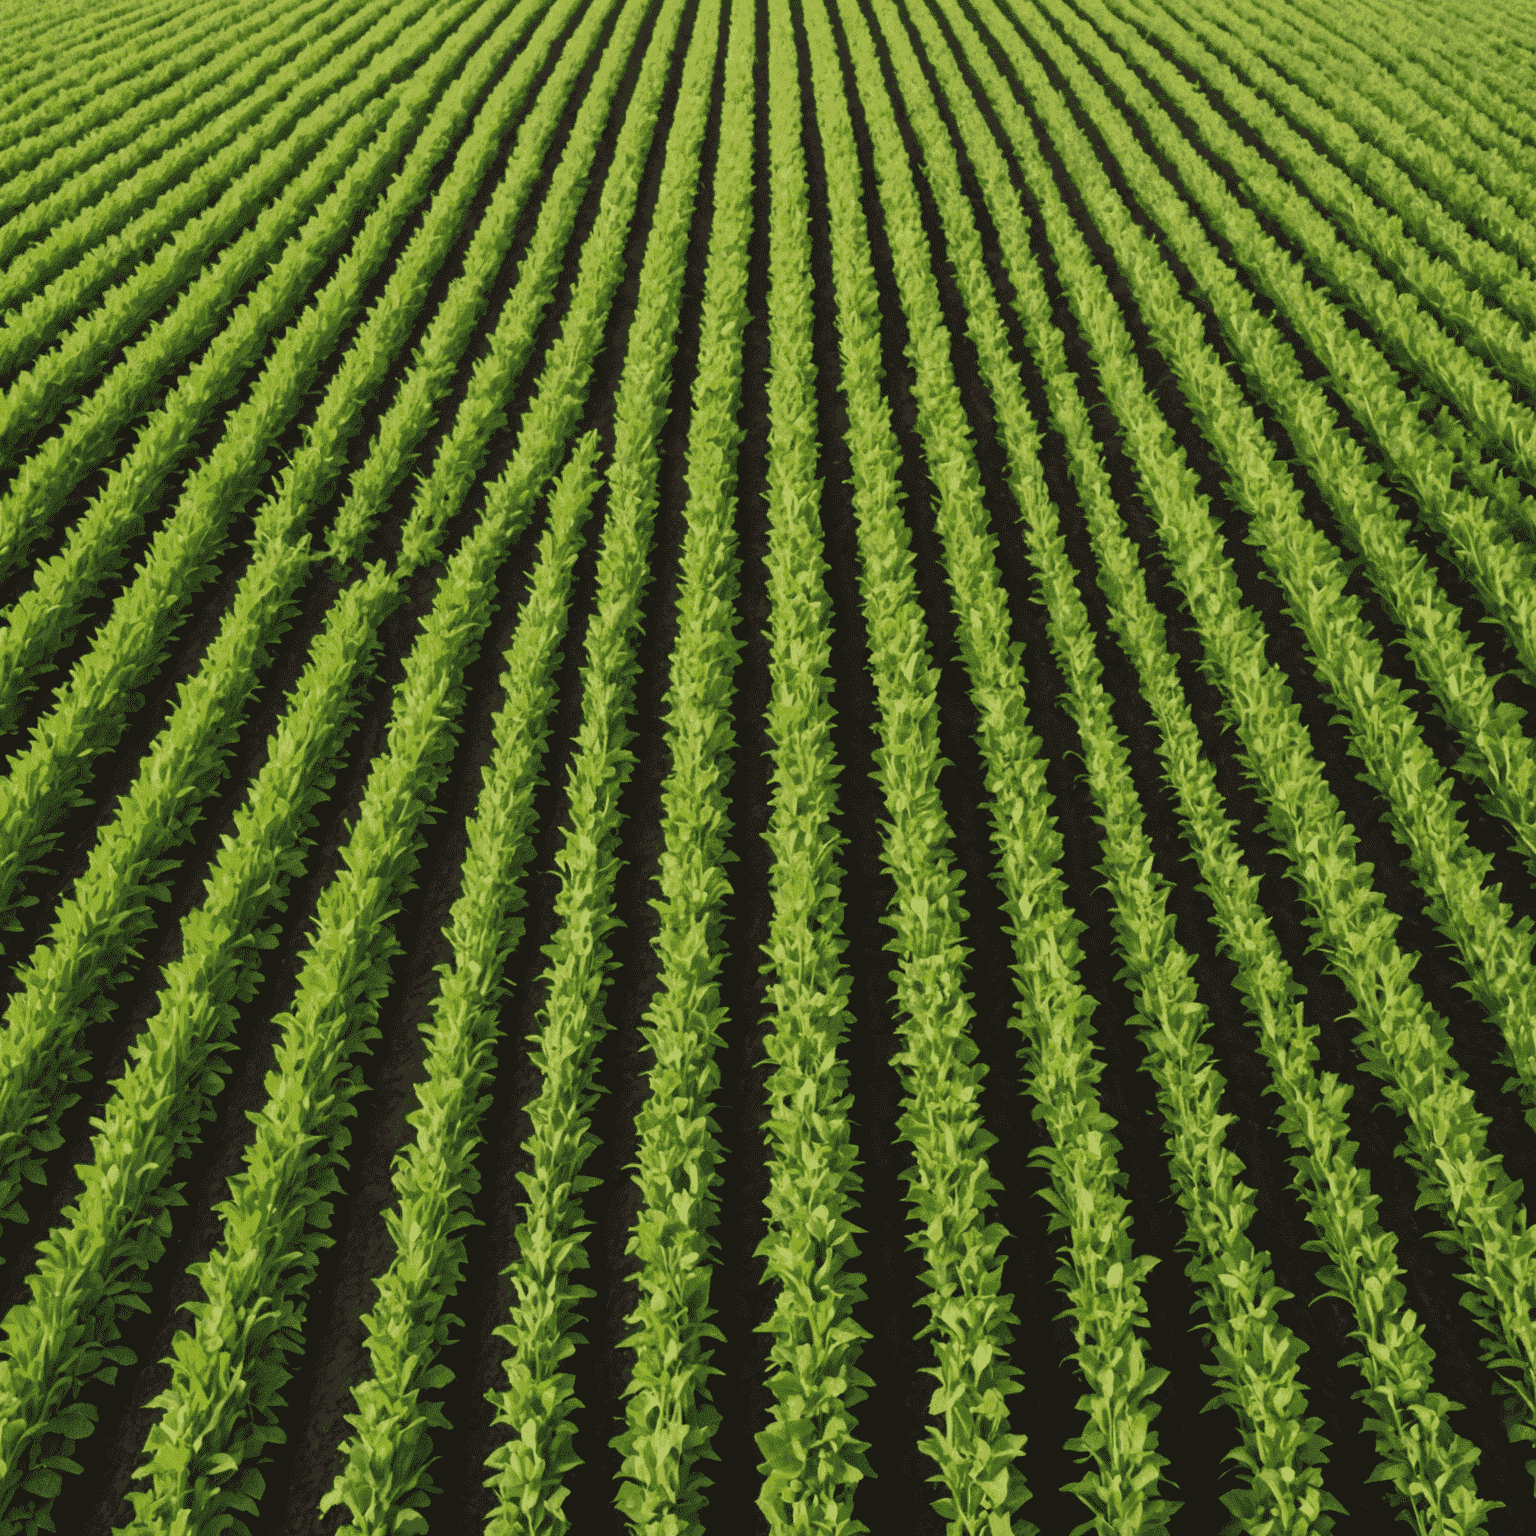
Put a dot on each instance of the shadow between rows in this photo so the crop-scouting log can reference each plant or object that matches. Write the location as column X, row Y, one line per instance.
column 1390, row 1178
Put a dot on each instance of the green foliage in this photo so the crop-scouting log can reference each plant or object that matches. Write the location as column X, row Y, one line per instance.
column 537, row 1404
column 307, row 227
column 669, row 1420
column 1403, row 1040
column 1317, row 223
column 813, row 1458
column 386, row 1479
column 950, row 1189
column 89, row 1269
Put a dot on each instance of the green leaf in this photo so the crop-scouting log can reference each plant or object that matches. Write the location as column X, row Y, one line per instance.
column 44, row 1483
column 75, row 1422
column 780, row 1450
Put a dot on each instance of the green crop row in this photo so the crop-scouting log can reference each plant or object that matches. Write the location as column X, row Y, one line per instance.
column 406, row 296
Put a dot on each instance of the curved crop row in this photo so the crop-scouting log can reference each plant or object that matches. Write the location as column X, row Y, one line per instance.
column 950, row 1188
column 367, row 309
column 68, row 209
column 1492, row 407
column 669, row 1416
column 1256, row 1353
column 1478, row 89
column 71, row 979
column 1495, row 950
column 147, row 37
column 386, row 1480
column 41, row 621
column 436, row 364
column 1495, row 202
column 96, row 182
column 348, row 106
column 1499, row 569
column 1405, row 1043
column 530, row 1470
column 52, row 42
column 814, row 1460
column 94, row 701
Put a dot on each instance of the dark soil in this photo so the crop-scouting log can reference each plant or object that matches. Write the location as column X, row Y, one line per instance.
column 894, row 1417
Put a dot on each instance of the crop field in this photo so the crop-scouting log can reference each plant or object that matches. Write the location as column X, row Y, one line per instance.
column 770, row 767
